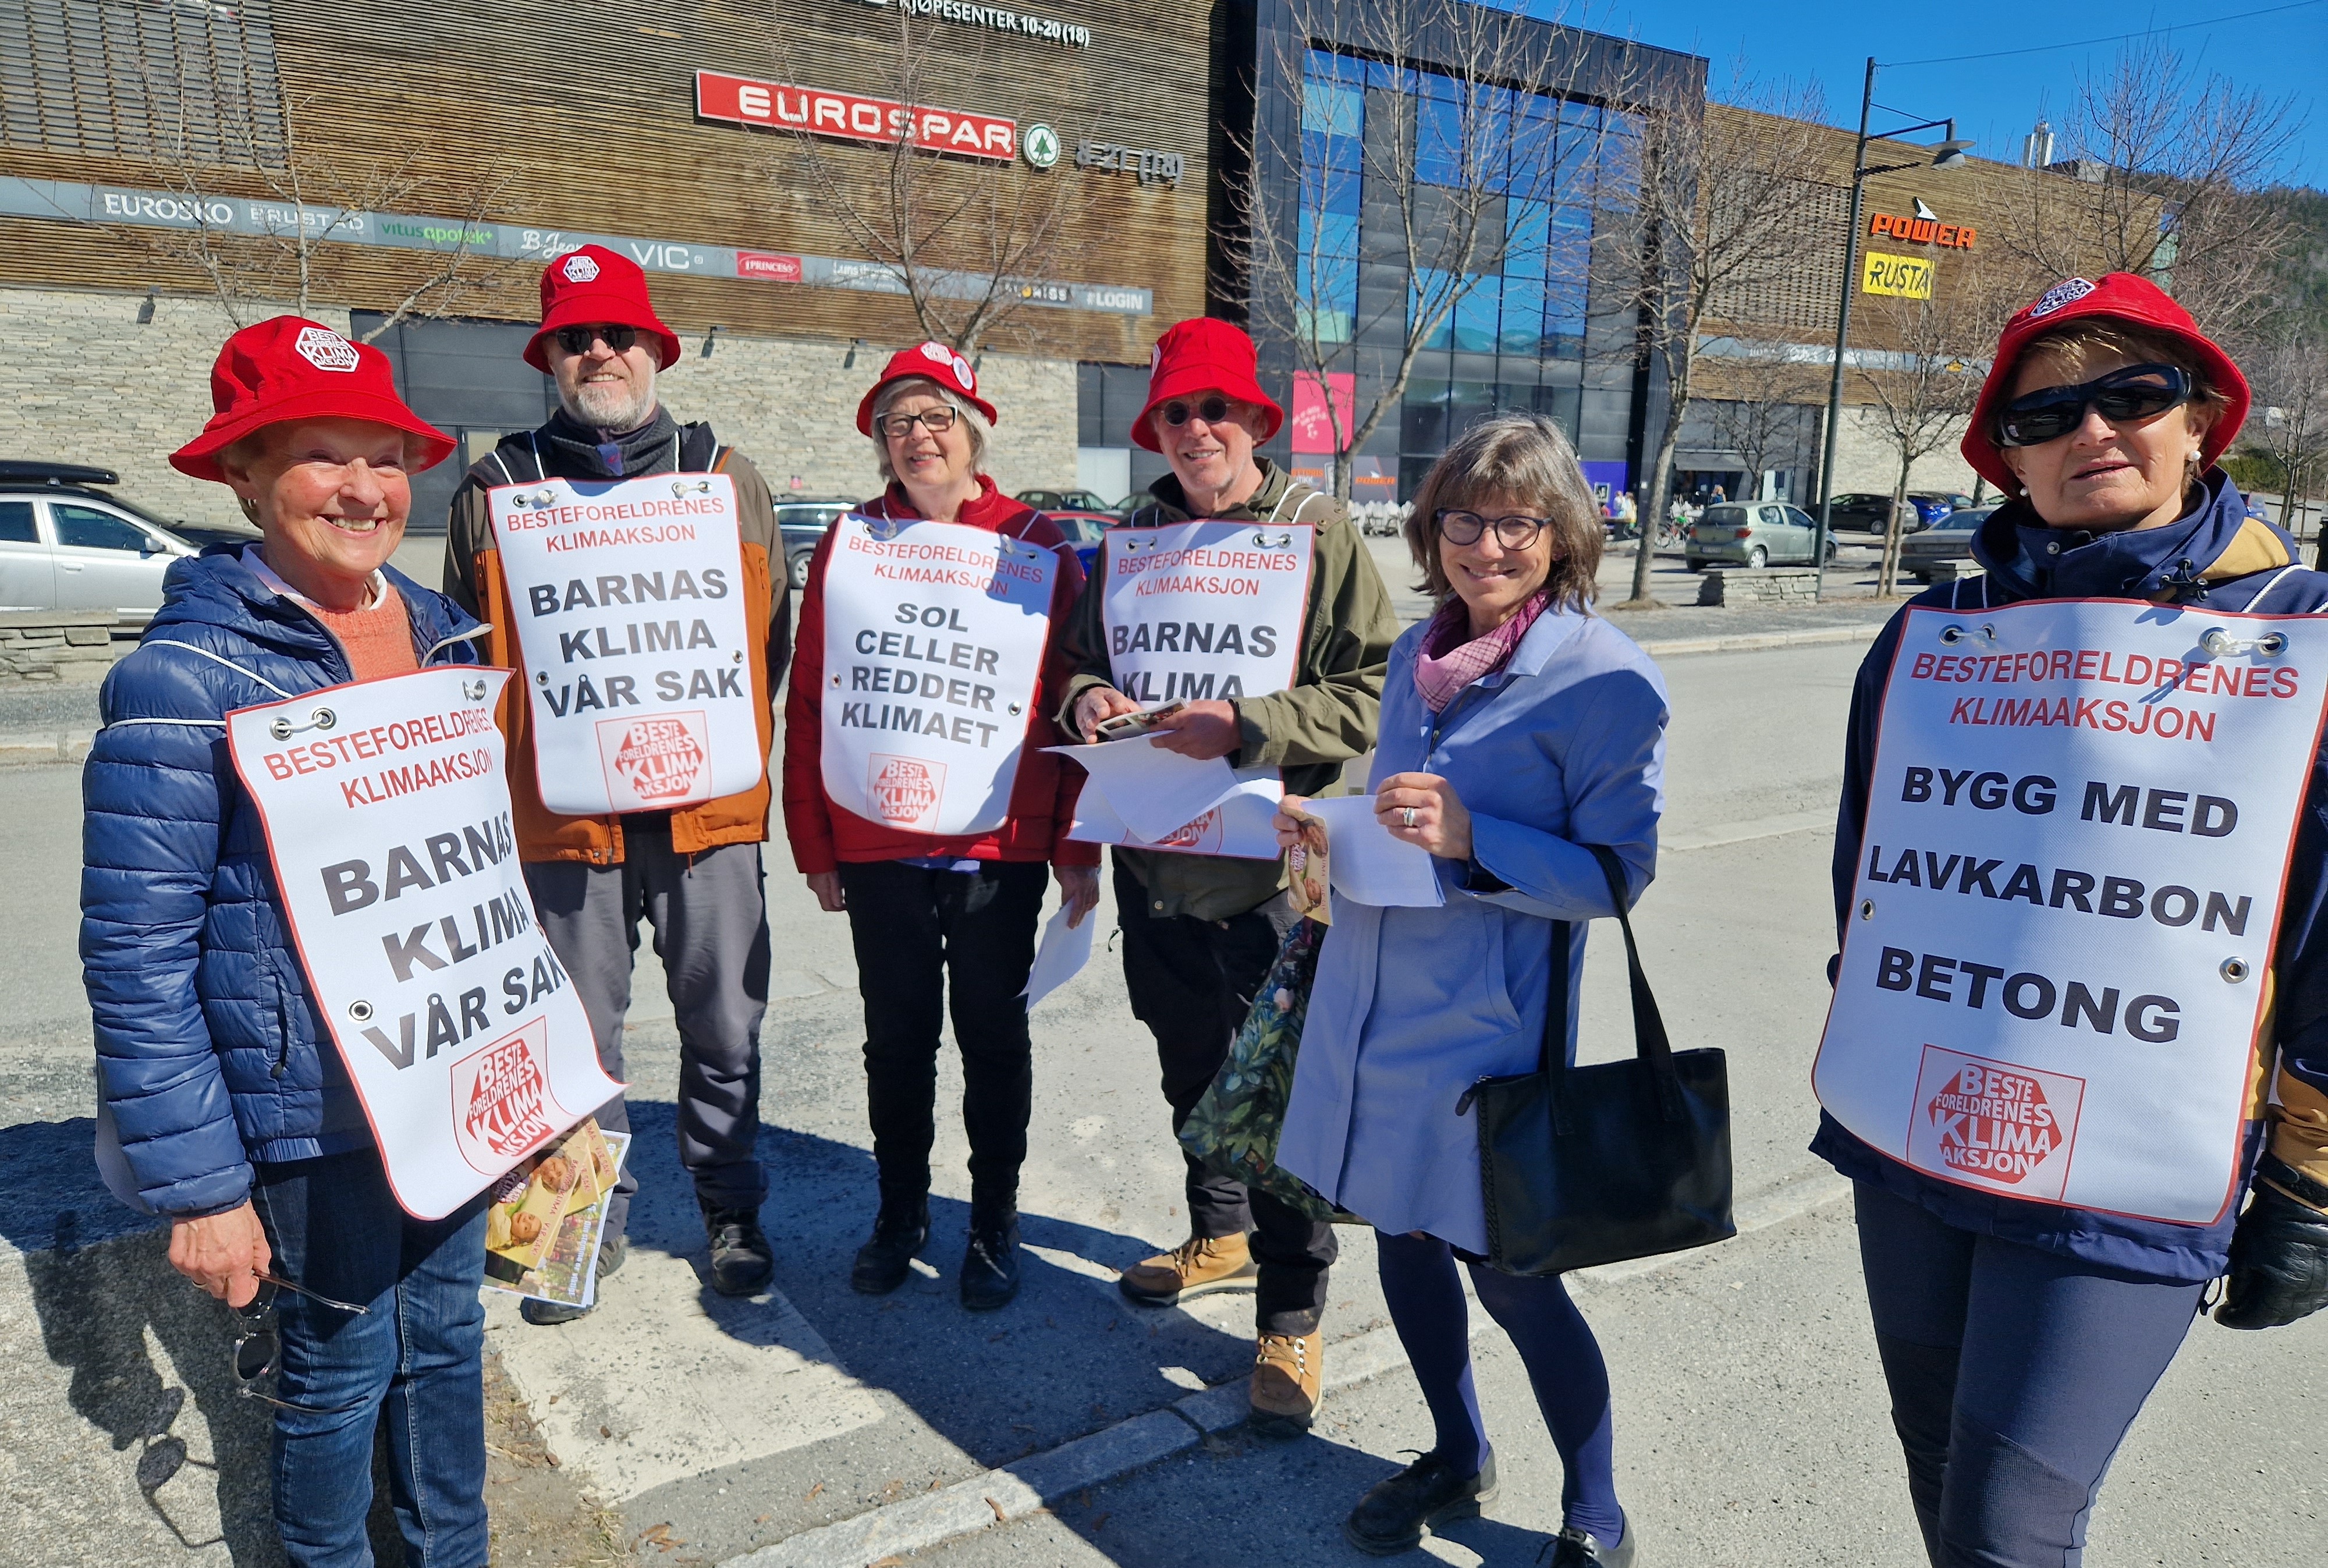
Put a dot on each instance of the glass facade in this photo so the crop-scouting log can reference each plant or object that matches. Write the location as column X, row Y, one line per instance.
column 1515, row 338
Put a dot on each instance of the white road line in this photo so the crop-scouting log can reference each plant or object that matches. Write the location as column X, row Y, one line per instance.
column 1753, row 827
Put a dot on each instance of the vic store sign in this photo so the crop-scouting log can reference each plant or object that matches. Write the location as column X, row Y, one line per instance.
column 740, row 100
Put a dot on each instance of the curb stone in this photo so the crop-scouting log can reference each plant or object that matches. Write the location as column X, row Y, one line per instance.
column 1744, row 642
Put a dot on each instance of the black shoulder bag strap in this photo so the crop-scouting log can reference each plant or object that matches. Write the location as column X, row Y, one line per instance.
column 1649, row 1041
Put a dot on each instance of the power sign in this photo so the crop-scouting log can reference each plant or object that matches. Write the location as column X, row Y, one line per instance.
column 2055, row 965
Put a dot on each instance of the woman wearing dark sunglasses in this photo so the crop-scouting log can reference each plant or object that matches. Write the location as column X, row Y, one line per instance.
column 2020, row 1338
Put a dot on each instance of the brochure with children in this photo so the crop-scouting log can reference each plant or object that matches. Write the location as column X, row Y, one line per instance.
column 542, row 1229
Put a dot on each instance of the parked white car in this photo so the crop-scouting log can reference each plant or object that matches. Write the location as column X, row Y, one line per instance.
column 67, row 546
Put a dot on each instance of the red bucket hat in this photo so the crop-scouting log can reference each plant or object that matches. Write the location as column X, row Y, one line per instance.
column 2122, row 296
column 290, row 368
column 594, row 285
column 1198, row 356
column 931, row 361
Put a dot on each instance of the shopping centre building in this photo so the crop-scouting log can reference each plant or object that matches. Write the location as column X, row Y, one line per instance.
column 167, row 163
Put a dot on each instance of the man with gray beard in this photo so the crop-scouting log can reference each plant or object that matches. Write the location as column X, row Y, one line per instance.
column 692, row 871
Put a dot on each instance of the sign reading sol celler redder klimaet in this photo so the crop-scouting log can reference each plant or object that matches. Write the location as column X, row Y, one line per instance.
column 2055, row 961
column 934, row 638
column 386, row 806
column 632, row 639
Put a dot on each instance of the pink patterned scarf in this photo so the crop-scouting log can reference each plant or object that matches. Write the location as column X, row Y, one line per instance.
column 1445, row 665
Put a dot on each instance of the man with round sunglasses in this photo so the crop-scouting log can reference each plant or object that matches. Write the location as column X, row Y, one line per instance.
column 692, row 872
column 2020, row 1337
column 1200, row 931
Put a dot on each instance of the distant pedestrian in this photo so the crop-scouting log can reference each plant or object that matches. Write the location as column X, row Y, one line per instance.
column 1517, row 727
column 236, row 1117
column 2020, row 1337
column 1200, row 930
column 931, row 911
column 692, row 872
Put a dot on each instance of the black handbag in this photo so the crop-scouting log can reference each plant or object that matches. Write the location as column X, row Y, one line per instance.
column 1583, row 1166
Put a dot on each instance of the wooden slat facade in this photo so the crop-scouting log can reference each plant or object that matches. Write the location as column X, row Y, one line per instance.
column 583, row 114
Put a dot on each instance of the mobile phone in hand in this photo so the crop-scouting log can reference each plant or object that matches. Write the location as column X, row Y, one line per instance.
column 1124, row 726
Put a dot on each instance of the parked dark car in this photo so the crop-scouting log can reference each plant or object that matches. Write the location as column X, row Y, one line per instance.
column 1948, row 540
column 67, row 542
column 1082, row 530
column 1058, row 500
column 803, row 523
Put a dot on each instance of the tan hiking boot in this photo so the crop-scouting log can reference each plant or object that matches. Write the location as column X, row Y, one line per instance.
column 1196, row 1267
column 1289, row 1376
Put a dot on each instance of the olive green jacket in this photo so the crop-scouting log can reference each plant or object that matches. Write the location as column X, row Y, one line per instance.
column 1309, row 731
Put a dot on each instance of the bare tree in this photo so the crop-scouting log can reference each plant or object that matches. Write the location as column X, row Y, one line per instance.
column 1705, row 218
column 2165, row 162
column 968, row 242
column 1922, row 393
column 264, row 250
column 2289, row 425
column 1773, row 388
column 1460, row 181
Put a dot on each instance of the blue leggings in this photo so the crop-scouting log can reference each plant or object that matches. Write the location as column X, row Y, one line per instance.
column 1555, row 1344
column 2014, row 1375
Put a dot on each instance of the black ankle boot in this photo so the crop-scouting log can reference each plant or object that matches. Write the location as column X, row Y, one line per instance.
column 1394, row 1515
column 742, row 1261
column 884, row 1262
column 990, row 1264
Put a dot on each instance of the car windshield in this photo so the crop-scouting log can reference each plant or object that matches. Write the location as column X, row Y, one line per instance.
column 1965, row 521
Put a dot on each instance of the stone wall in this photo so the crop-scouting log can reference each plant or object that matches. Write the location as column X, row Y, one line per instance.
column 1866, row 460
column 86, row 381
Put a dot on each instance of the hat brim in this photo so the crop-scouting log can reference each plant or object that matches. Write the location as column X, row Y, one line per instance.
column 873, row 396
column 1987, row 458
column 1194, row 382
column 590, row 308
column 199, row 457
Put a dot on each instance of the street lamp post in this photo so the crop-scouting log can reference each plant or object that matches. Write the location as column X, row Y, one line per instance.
column 1948, row 154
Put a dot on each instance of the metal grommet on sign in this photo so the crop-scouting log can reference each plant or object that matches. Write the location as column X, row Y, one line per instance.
column 325, row 719
column 474, row 690
column 1014, row 710
column 836, row 683
column 1952, row 635
column 541, row 678
column 736, row 657
column 360, row 1010
column 2221, row 643
column 1867, row 908
column 2235, row 970
column 282, row 729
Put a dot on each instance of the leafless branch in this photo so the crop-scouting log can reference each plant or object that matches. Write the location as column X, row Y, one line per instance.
column 1922, row 392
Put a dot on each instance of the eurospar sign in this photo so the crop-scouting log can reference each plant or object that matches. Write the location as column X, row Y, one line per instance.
column 740, row 100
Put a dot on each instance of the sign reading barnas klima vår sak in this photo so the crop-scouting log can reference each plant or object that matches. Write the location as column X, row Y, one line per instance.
column 386, row 806
column 934, row 638
column 2055, row 961
column 631, row 628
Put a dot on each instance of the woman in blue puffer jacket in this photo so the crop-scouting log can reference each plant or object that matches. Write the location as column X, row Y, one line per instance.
column 2021, row 1337
column 234, row 1120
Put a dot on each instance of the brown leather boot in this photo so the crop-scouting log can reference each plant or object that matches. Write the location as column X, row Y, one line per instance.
column 1289, row 1377
column 1196, row 1267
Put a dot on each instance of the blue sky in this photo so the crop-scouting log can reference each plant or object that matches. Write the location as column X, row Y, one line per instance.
column 1996, row 96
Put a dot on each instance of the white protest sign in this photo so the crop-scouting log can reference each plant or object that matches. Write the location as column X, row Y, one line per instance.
column 629, row 597
column 1236, row 825
column 387, row 811
column 2078, row 833
column 934, row 638
column 1204, row 610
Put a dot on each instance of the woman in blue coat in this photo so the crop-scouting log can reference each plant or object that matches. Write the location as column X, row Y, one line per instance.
column 235, row 1120
column 1517, row 727
column 2020, row 1338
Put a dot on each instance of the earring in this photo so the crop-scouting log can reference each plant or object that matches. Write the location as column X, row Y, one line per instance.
column 250, row 508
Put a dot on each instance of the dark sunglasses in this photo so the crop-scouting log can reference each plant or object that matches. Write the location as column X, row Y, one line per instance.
column 2135, row 392
column 258, row 1347
column 576, row 340
column 1212, row 410
column 897, row 427
column 1457, row 527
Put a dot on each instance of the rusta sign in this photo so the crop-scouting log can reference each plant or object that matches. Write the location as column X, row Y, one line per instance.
column 1924, row 228
column 740, row 100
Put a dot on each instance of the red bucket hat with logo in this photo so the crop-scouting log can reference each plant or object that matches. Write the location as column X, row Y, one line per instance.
column 1198, row 356
column 931, row 361
column 593, row 285
column 289, row 369
column 2122, row 296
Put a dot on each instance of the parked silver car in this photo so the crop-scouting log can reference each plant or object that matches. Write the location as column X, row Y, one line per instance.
column 64, row 546
column 1752, row 533
column 1948, row 540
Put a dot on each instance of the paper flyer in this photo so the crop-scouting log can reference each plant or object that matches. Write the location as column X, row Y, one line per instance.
column 542, row 1230
column 1309, row 869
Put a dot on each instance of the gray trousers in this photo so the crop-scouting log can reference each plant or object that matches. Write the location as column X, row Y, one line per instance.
column 710, row 919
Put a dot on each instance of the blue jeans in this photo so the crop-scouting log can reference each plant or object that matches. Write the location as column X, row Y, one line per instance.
column 336, row 1228
column 2014, row 1375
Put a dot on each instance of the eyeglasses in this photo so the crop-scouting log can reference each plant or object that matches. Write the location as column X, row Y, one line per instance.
column 1212, row 410
column 258, row 1350
column 2135, row 392
column 937, row 421
column 1457, row 527
column 576, row 340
